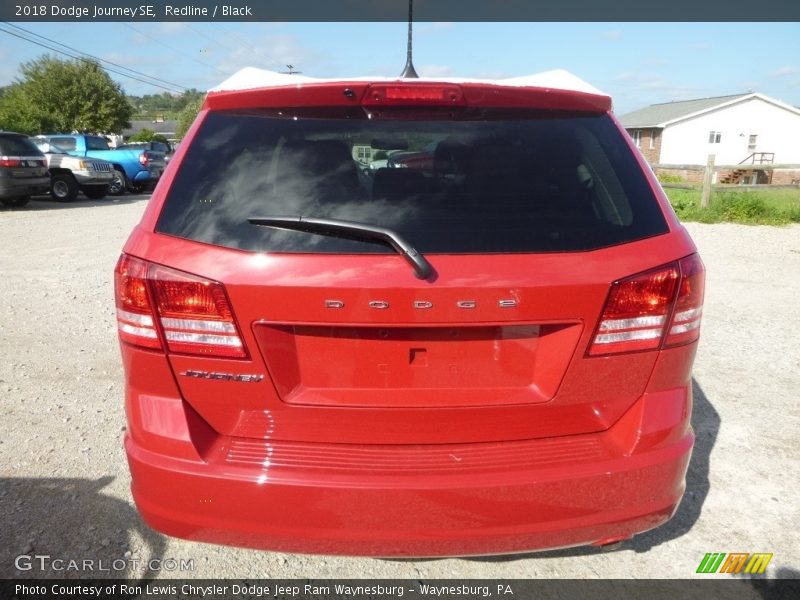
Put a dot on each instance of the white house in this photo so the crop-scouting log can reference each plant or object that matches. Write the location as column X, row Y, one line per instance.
column 741, row 129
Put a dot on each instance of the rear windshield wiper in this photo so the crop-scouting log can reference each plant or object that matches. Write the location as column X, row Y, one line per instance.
column 351, row 230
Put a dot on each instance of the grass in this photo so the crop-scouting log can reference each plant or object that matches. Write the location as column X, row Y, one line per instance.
column 752, row 207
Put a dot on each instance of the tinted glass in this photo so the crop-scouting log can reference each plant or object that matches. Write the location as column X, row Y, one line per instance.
column 17, row 145
column 67, row 143
column 533, row 184
column 96, row 143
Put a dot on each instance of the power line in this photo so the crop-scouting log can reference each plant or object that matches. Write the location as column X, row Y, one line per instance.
column 96, row 57
column 80, row 55
column 157, row 41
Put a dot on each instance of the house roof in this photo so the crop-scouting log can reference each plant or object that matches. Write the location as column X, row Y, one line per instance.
column 660, row 115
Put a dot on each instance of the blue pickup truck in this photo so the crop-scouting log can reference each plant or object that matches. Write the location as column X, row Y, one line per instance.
column 134, row 169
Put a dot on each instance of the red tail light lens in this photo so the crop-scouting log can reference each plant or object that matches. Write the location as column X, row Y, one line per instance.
column 194, row 314
column 414, row 94
column 10, row 161
column 134, row 313
column 685, row 326
column 642, row 311
column 144, row 159
column 636, row 312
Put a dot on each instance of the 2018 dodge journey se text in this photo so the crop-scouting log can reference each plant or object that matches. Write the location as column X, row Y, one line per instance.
column 486, row 349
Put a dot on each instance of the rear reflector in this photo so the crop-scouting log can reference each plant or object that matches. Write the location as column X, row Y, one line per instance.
column 414, row 94
column 194, row 314
column 659, row 306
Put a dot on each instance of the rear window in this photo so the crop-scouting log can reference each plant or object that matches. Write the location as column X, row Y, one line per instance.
column 527, row 183
column 18, row 145
column 66, row 143
column 96, row 143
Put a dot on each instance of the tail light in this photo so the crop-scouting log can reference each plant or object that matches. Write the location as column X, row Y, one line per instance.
column 685, row 326
column 651, row 309
column 10, row 161
column 144, row 159
column 134, row 311
column 414, row 94
column 193, row 313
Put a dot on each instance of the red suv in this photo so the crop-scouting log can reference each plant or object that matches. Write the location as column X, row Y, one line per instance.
column 489, row 352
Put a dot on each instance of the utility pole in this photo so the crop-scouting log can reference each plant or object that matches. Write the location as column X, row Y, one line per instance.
column 409, row 72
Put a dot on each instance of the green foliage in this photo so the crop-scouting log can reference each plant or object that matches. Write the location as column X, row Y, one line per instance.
column 667, row 177
column 754, row 207
column 148, row 135
column 166, row 104
column 57, row 95
column 187, row 116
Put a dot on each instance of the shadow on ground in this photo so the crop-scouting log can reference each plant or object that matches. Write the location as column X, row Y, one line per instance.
column 39, row 203
column 72, row 520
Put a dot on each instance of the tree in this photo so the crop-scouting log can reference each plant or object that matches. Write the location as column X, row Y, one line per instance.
column 64, row 95
column 147, row 135
column 187, row 116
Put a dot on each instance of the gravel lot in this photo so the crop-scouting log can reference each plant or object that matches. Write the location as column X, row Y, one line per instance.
column 64, row 483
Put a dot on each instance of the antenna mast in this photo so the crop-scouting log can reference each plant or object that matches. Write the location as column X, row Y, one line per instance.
column 409, row 72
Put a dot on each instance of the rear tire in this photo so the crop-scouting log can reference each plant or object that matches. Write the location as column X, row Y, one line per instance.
column 118, row 184
column 63, row 187
column 96, row 192
column 136, row 188
column 16, row 202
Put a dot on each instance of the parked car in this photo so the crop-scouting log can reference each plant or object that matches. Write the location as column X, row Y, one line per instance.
column 134, row 169
column 163, row 147
column 489, row 353
column 23, row 169
column 70, row 174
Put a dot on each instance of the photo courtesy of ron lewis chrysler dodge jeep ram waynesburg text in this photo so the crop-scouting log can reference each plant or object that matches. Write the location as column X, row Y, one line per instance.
column 486, row 350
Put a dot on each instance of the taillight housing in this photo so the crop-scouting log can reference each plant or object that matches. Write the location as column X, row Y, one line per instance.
column 413, row 94
column 144, row 159
column 10, row 161
column 651, row 310
column 159, row 307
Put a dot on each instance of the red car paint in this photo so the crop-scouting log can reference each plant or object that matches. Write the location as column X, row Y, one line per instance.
column 474, row 412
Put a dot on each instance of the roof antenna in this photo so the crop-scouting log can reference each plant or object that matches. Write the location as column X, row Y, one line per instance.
column 409, row 72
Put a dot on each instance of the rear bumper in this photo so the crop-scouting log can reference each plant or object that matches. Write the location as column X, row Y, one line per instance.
column 453, row 500
column 13, row 188
column 147, row 175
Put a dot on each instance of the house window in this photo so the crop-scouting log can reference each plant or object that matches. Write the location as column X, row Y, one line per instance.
column 652, row 139
column 751, row 143
column 714, row 137
column 636, row 134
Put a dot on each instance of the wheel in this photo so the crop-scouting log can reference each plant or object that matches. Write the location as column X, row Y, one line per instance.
column 96, row 192
column 118, row 184
column 63, row 187
column 16, row 202
column 136, row 188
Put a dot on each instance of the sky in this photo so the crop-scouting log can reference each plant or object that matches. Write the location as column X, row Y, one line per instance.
column 638, row 64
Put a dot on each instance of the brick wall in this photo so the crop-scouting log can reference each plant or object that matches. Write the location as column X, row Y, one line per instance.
column 688, row 175
column 653, row 154
column 785, row 176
